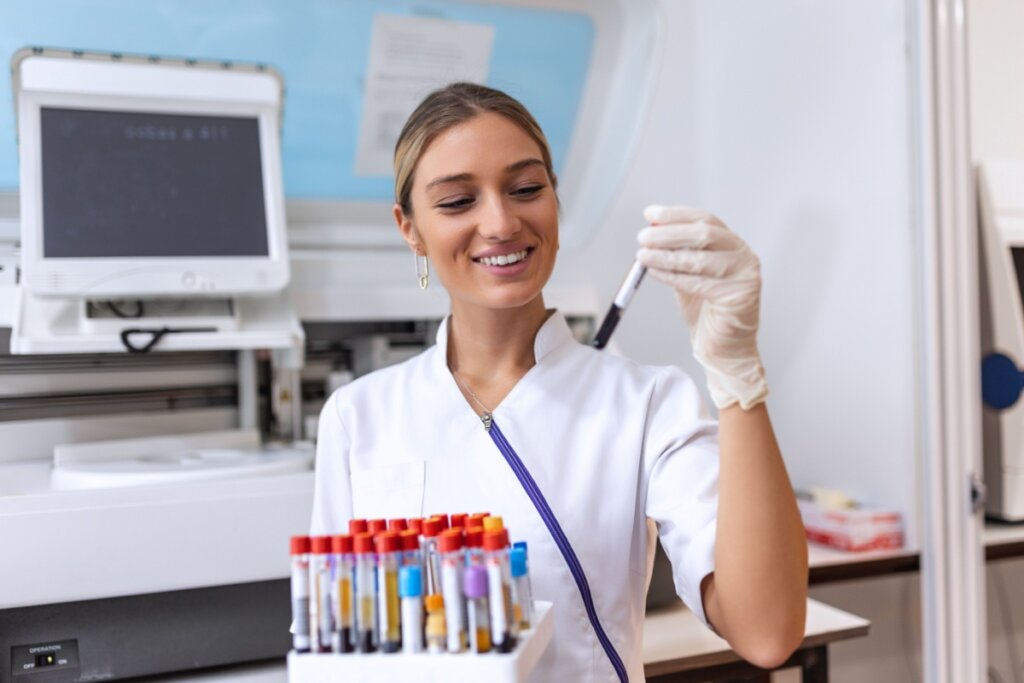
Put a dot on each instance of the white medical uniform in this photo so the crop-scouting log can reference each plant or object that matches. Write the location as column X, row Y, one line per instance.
column 609, row 443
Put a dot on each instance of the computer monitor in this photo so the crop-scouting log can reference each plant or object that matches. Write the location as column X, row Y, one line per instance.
column 144, row 178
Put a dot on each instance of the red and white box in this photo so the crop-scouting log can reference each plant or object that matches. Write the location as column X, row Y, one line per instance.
column 859, row 528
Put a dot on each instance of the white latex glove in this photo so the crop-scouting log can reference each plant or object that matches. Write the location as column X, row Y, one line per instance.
column 717, row 280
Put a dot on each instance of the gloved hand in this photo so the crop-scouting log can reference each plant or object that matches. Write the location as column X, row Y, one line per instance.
column 717, row 280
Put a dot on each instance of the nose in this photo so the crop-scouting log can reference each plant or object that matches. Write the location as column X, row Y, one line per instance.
column 498, row 220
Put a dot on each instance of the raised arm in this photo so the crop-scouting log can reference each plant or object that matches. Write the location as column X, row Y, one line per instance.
column 757, row 597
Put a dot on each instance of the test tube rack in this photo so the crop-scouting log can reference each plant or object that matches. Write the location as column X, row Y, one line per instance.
column 512, row 667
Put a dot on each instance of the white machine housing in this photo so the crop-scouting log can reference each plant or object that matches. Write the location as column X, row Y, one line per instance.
column 100, row 83
column 1001, row 194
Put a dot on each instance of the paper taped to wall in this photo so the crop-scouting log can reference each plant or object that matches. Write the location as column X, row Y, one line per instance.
column 409, row 57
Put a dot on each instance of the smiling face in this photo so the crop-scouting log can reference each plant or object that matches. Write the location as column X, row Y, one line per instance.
column 484, row 212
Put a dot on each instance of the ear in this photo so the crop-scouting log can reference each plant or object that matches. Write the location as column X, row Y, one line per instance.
column 408, row 230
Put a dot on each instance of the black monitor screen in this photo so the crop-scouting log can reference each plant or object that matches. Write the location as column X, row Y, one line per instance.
column 1018, row 263
column 118, row 184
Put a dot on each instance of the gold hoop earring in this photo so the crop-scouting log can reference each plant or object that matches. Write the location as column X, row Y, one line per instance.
column 424, row 277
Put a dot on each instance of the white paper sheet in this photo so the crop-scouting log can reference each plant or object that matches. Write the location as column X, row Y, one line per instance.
column 409, row 57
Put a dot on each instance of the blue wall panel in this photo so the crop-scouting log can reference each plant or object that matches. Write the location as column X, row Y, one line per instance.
column 322, row 48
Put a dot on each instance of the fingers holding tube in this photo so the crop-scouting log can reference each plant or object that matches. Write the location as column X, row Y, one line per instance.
column 691, row 261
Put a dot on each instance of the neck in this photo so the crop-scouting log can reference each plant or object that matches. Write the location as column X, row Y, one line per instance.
column 490, row 347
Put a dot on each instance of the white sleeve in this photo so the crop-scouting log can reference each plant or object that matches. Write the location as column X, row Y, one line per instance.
column 681, row 459
column 332, row 491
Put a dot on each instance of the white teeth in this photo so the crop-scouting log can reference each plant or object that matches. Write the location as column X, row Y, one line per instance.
column 504, row 259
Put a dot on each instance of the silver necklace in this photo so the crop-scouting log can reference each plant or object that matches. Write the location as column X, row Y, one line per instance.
column 487, row 418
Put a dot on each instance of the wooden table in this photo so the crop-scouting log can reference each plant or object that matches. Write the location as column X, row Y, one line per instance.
column 829, row 564
column 680, row 649
column 1003, row 540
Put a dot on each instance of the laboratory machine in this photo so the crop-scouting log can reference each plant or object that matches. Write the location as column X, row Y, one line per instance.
column 1001, row 203
column 152, row 222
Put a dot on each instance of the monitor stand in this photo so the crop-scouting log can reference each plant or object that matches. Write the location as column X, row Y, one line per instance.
column 69, row 325
column 110, row 316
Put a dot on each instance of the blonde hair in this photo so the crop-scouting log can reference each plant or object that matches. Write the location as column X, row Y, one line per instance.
column 447, row 107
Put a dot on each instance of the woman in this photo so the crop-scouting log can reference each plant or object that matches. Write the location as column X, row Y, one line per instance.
column 609, row 443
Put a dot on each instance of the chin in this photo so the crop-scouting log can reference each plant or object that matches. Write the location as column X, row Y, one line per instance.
column 508, row 297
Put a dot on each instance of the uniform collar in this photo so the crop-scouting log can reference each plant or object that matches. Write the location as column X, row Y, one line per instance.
column 552, row 334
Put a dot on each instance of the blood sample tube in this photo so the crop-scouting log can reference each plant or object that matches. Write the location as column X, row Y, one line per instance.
column 410, row 589
column 415, row 523
column 343, row 573
column 366, row 593
column 300, row 593
column 357, row 526
column 522, row 594
column 389, row 559
column 377, row 526
column 458, row 519
column 320, row 621
column 449, row 544
column 503, row 626
column 397, row 525
column 479, row 624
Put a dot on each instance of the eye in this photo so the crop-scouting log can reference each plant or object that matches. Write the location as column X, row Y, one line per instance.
column 454, row 204
column 527, row 190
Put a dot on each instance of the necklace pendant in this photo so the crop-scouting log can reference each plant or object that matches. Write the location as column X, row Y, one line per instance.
column 487, row 419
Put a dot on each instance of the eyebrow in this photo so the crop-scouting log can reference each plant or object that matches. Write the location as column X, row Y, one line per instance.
column 459, row 177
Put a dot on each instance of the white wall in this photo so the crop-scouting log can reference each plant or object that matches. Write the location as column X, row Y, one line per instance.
column 996, row 47
column 790, row 120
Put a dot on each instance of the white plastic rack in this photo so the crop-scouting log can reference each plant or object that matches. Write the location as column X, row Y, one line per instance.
column 512, row 667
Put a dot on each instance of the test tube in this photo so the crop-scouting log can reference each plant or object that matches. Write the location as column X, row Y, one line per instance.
column 366, row 593
column 300, row 593
column 357, row 526
column 435, row 628
column 377, row 526
column 410, row 589
column 453, row 560
column 343, row 568
column 415, row 524
column 522, row 594
column 503, row 626
column 479, row 624
column 476, row 519
column 321, row 626
column 431, row 561
column 389, row 559
column 529, row 584
column 475, row 545
column 397, row 525
column 411, row 555
column 445, row 522
column 493, row 523
column 458, row 519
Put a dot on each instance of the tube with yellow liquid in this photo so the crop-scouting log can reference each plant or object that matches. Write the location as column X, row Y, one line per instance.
column 366, row 593
column 389, row 559
column 343, row 569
